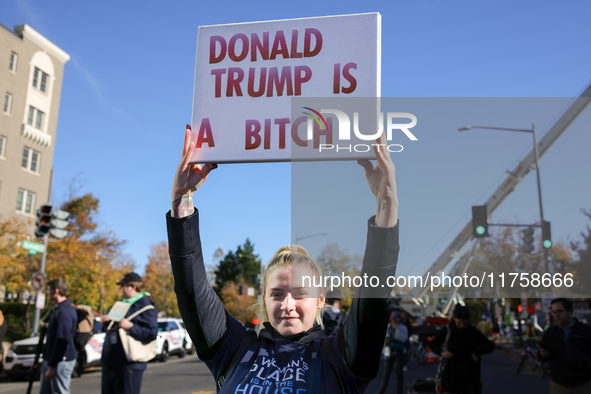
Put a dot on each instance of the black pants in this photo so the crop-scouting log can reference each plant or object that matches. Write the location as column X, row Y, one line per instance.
column 396, row 362
column 121, row 381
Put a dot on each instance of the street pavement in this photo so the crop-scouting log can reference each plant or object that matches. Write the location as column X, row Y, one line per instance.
column 186, row 375
column 498, row 376
column 189, row 375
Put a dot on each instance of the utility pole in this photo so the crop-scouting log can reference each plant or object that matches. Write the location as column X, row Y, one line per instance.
column 49, row 221
column 39, row 292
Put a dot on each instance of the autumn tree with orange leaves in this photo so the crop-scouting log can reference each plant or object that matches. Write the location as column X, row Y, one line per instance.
column 90, row 262
column 159, row 281
column 241, row 307
column 16, row 264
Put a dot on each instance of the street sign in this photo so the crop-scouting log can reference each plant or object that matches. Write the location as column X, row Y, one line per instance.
column 32, row 246
column 40, row 302
column 38, row 281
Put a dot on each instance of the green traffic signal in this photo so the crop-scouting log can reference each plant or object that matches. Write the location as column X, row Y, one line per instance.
column 546, row 235
column 479, row 221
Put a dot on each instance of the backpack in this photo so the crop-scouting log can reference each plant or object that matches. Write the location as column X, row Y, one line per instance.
column 84, row 328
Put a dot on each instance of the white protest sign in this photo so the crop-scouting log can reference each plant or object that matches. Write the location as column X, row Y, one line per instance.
column 246, row 75
column 118, row 311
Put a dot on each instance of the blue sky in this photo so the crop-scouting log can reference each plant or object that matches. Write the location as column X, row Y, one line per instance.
column 127, row 94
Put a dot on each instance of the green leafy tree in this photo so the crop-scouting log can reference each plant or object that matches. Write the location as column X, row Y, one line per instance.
column 242, row 263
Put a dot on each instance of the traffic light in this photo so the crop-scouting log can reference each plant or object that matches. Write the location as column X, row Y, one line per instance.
column 43, row 220
column 480, row 221
column 52, row 221
column 240, row 289
column 528, row 240
column 546, row 235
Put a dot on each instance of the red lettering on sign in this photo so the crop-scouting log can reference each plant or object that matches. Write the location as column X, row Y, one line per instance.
column 308, row 42
column 262, row 48
column 205, row 135
column 280, row 83
column 232, row 47
column 212, row 49
column 350, row 78
column 279, row 46
column 253, row 128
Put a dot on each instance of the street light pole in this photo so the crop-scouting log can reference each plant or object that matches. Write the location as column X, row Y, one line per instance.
column 533, row 131
column 533, row 127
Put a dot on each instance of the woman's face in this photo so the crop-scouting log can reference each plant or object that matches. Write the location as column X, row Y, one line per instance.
column 291, row 307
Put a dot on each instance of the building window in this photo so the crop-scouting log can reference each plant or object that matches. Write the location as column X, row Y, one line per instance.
column 35, row 118
column 8, row 103
column 2, row 146
column 31, row 159
column 25, row 201
column 40, row 80
column 13, row 61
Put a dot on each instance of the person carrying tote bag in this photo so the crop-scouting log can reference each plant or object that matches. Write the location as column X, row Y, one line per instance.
column 137, row 351
column 120, row 375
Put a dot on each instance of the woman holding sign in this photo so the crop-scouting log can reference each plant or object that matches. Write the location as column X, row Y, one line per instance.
column 291, row 353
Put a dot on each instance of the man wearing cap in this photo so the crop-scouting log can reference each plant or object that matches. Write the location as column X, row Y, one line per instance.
column 59, row 352
column 119, row 375
column 396, row 338
column 333, row 318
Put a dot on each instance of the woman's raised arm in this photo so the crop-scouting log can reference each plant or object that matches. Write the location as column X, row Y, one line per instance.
column 382, row 183
column 188, row 178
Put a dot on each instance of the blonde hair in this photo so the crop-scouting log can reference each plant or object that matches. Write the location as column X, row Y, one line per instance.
column 287, row 256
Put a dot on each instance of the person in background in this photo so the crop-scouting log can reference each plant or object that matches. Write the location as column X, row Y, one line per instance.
column 568, row 347
column 333, row 318
column 496, row 329
column 119, row 375
column 59, row 353
column 3, row 329
column 530, row 334
column 461, row 346
column 404, row 319
column 396, row 339
column 484, row 327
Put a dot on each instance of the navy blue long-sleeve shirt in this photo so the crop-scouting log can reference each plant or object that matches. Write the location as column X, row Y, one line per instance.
column 275, row 364
column 60, row 333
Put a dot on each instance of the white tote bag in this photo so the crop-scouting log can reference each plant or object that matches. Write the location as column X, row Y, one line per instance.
column 136, row 351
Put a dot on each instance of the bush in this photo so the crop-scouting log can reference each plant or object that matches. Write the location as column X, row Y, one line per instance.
column 15, row 314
